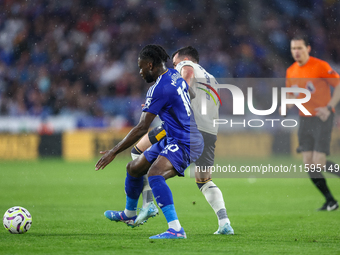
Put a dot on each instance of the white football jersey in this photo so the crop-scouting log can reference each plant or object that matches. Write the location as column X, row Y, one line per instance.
column 204, row 122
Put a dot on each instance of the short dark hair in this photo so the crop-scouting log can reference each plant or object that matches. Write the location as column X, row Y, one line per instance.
column 188, row 51
column 303, row 38
column 156, row 53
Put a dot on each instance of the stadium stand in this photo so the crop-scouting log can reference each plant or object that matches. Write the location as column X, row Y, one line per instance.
column 76, row 60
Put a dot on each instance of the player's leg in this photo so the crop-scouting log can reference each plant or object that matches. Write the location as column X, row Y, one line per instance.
column 209, row 189
column 149, row 209
column 133, row 187
column 160, row 171
column 154, row 136
column 137, row 150
column 142, row 145
column 214, row 197
column 173, row 160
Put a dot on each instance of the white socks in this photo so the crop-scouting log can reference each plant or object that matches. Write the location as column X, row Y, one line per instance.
column 130, row 213
column 147, row 192
column 215, row 198
column 175, row 225
column 134, row 156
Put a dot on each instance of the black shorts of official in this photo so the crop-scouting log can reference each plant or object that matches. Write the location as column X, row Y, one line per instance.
column 314, row 134
column 156, row 134
column 208, row 155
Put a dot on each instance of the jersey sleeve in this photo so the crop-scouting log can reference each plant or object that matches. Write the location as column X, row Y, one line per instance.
column 184, row 63
column 155, row 100
column 329, row 74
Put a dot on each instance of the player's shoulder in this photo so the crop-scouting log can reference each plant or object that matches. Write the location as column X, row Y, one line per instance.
column 170, row 77
column 158, row 87
column 183, row 63
column 165, row 78
column 171, row 73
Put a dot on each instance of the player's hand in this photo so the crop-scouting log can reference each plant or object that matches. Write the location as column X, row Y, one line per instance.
column 105, row 159
column 323, row 113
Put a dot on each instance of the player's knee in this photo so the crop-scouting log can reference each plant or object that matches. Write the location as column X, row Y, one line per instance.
column 132, row 169
column 201, row 176
column 135, row 152
column 201, row 182
column 129, row 168
column 138, row 167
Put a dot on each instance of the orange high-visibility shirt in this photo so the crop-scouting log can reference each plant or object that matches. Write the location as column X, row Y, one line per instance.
column 317, row 76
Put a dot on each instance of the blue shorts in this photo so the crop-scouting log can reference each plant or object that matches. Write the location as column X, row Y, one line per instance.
column 180, row 155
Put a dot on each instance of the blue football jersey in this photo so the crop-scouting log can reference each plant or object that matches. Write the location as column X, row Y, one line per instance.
column 169, row 99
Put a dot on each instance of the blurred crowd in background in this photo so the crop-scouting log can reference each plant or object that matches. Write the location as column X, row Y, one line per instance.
column 79, row 58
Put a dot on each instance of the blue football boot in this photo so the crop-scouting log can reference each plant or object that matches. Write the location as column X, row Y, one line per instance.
column 170, row 234
column 120, row 216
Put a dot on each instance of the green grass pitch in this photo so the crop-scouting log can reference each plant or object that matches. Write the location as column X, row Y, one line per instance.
column 67, row 202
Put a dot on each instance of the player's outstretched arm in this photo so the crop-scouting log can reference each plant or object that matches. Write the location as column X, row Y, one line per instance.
column 132, row 137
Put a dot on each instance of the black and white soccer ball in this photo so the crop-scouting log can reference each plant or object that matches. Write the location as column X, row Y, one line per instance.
column 17, row 220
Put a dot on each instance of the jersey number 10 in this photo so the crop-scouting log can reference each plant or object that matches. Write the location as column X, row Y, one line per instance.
column 185, row 97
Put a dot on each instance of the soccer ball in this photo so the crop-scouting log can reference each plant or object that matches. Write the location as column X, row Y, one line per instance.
column 17, row 220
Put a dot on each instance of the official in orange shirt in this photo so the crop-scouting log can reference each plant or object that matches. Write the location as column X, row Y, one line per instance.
column 315, row 130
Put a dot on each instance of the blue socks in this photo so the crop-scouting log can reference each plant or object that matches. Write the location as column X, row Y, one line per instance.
column 160, row 190
column 133, row 189
column 163, row 196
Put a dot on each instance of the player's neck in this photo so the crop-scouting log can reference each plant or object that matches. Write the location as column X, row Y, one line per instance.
column 161, row 70
column 303, row 62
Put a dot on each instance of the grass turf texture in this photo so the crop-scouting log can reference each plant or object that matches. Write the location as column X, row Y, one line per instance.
column 67, row 201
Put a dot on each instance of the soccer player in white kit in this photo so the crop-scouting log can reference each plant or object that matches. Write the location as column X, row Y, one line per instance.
column 186, row 60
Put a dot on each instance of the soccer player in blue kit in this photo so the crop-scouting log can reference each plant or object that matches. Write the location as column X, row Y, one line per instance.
column 168, row 98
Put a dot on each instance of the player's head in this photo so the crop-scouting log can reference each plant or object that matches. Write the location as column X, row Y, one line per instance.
column 151, row 60
column 185, row 53
column 300, row 49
